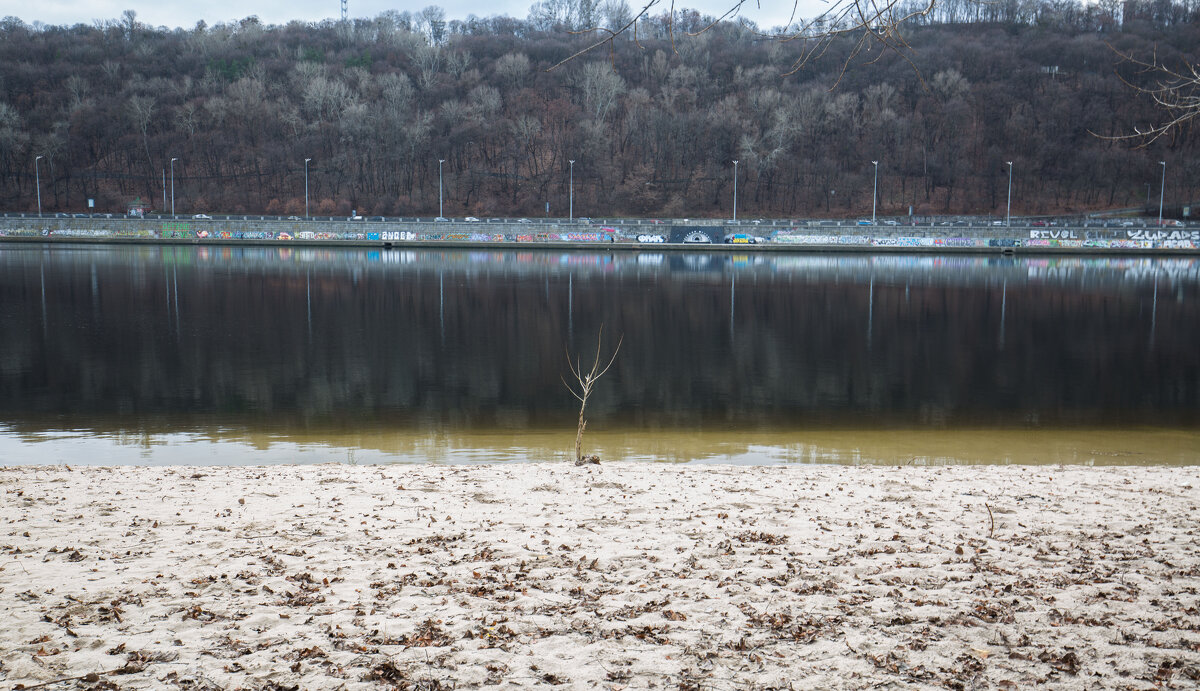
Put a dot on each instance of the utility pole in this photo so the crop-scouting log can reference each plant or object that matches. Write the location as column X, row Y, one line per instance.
column 37, row 173
column 735, row 190
column 874, row 191
column 1008, row 215
column 1161, row 190
column 306, row 216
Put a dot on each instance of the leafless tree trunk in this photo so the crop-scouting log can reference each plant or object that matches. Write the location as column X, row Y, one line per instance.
column 581, row 389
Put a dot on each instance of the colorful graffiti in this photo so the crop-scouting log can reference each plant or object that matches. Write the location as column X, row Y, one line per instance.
column 1169, row 239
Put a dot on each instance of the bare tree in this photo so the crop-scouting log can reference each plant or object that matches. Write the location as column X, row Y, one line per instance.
column 1174, row 91
column 141, row 110
column 585, row 381
column 867, row 22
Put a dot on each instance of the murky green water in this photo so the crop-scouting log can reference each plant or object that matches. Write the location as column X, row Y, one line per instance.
column 159, row 355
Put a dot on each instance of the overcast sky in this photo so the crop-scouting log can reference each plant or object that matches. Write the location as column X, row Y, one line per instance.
column 181, row 13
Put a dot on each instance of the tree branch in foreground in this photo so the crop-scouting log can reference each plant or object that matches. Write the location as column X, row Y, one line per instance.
column 1174, row 91
column 868, row 22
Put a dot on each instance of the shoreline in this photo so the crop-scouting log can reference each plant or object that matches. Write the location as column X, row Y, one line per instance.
column 184, row 443
column 611, row 576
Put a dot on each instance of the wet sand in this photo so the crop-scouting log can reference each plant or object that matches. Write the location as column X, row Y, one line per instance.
column 612, row 576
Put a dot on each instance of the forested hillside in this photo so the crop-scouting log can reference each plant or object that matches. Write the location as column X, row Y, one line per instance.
column 652, row 126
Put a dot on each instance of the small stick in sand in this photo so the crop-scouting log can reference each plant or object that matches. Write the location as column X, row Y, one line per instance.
column 991, row 521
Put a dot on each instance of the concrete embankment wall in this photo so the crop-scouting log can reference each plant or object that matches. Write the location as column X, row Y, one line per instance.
column 811, row 237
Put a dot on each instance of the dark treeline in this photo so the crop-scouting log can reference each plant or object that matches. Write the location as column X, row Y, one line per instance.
column 376, row 103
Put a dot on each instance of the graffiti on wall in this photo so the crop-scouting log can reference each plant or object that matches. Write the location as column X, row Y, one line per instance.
column 1164, row 235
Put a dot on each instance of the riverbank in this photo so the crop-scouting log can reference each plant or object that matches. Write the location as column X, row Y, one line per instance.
column 1084, row 237
column 337, row 576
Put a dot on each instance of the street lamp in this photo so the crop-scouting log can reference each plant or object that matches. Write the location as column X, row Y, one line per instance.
column 440, row 162
column 571, row 197
column 735, row 190
column 1161, row 187
column 173, row 186
column 874, row 191
column 38, row 176
column 1008, row 215
column 306, row 189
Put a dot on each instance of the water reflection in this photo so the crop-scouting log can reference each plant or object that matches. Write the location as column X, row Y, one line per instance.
column 175, row 445
column 291, row 340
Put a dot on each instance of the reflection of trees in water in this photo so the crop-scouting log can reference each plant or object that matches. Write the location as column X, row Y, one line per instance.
column 469, row 346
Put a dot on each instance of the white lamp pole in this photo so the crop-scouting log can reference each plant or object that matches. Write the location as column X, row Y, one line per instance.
column 173, row 187
column 37, row 173
column 571, row 198
column 1008, row 214
column 1161, row 190
column 874, row 191
column 440, row 162
column 306, row 216
column 735, row 190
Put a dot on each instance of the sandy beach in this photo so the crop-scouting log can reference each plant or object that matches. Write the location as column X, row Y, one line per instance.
column 612, row 576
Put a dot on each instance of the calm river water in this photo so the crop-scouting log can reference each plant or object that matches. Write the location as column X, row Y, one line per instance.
column 247, row 355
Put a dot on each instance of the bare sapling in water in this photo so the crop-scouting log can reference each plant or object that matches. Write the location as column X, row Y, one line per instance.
column 581, row 389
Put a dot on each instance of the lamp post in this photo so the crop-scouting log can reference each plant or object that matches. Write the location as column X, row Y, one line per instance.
column 571, row 195
column 1008, row 214
column 440, row 162
column 874, row 191
column 1161, row 190
column 37, row 173
column 173, row 186
column 735, row 190
column 306, row 216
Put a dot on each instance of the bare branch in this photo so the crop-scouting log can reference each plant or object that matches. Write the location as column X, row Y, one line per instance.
column 611, row 35
column 870, row 21
column 585, row 382
column 1176, row 91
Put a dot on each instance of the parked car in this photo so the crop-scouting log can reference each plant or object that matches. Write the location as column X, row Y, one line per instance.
column 355, row 218
column 202, row 216
column 891, row 222
column 524, row 220
column 471, row 219
column 294, row 218
column 865, row 222
column 441, row 219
